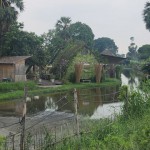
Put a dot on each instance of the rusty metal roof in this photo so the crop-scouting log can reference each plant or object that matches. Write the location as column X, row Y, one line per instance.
column 12, row 59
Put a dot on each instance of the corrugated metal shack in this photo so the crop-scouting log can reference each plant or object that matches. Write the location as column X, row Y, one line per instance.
column 13, row 68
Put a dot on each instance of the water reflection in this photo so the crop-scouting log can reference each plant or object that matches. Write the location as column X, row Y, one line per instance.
column 132, row 81
column 89, row 101
column 107, row 110
column 50, row 104
column 95, row 102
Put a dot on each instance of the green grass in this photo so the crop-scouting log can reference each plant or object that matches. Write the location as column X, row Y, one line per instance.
column 15, row 90
column 127, row 134
column 11, row 86
column 129, row 131
column 2, row 141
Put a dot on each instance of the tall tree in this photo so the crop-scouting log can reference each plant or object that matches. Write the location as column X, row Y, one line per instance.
column 82, row 32
column 144, row 52
column 146, row 15
column 8, row 15
column 104, row 43
column 18, row 42
column 62, row 27
column 132, row 54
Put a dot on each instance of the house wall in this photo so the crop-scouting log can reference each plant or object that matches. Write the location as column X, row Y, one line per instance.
column 7, row 71
column 20, row 71
column 16, row 72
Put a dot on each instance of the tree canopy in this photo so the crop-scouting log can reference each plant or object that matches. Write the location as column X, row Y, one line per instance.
column 132, row 54
column 8, row 15
column 104, row 43
column 82, row 32
column 18, row 43
column 146, row 15
column 144, row 51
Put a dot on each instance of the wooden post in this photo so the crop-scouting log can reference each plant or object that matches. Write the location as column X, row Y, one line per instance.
column 13, row 141
column 126, row 101
column 22, row 138
column 76, row 111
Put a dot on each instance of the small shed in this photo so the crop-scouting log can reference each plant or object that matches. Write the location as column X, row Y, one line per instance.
column 13, row 68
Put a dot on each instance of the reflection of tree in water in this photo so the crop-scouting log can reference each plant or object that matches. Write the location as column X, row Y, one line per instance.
column 88, row 100
column 130, row 74
column 91, row 99
column 50, row 104
column 36, row 105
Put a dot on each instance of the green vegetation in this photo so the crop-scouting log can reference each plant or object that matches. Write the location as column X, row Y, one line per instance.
column 16, row 90
column 2, row 140
column 88, row 72
column 129, row 131
column 12, row 86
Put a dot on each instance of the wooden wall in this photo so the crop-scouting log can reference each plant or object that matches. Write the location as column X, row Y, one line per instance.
column 7, row 71
column 16, row 72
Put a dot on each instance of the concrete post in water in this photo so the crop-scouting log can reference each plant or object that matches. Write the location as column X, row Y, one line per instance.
column 76, row 111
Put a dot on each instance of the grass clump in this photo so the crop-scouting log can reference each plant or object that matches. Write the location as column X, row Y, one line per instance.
column 12, row 86
column 2, row 142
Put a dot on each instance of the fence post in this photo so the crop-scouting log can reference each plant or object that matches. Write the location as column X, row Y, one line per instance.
column 126, row 101
column 76, row 111
column 13, row 141
column 22, row 137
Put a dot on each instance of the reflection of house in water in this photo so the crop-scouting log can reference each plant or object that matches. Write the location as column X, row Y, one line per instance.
column 14, row 108
column 89, row 100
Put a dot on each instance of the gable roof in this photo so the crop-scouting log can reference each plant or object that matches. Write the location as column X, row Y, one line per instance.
column 12, row 59
column 107, row 52
column 111, row 58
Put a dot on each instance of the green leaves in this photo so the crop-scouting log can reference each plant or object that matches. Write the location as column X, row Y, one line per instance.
column 104, row 43
column 146, row 15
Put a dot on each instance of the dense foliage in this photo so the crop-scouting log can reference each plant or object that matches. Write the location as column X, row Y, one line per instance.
column 144, row 52
column 105, row 43
column 8, row 15
column 132, row 54
column 130, row 131
column 146, row 15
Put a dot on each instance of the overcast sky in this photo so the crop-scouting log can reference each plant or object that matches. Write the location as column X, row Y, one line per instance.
column 116, row 19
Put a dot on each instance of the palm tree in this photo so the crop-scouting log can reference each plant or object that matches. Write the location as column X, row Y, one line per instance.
column 63, row 23
column 62, row 27
column 7, row 3
column 146, row 15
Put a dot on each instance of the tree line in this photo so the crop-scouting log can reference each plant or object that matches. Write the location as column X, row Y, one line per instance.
column 58, row 45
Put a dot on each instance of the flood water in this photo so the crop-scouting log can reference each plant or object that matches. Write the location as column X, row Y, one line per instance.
column 92, row 102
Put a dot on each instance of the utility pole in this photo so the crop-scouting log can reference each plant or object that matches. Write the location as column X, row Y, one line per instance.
column 76, row 111
column 22, row 138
